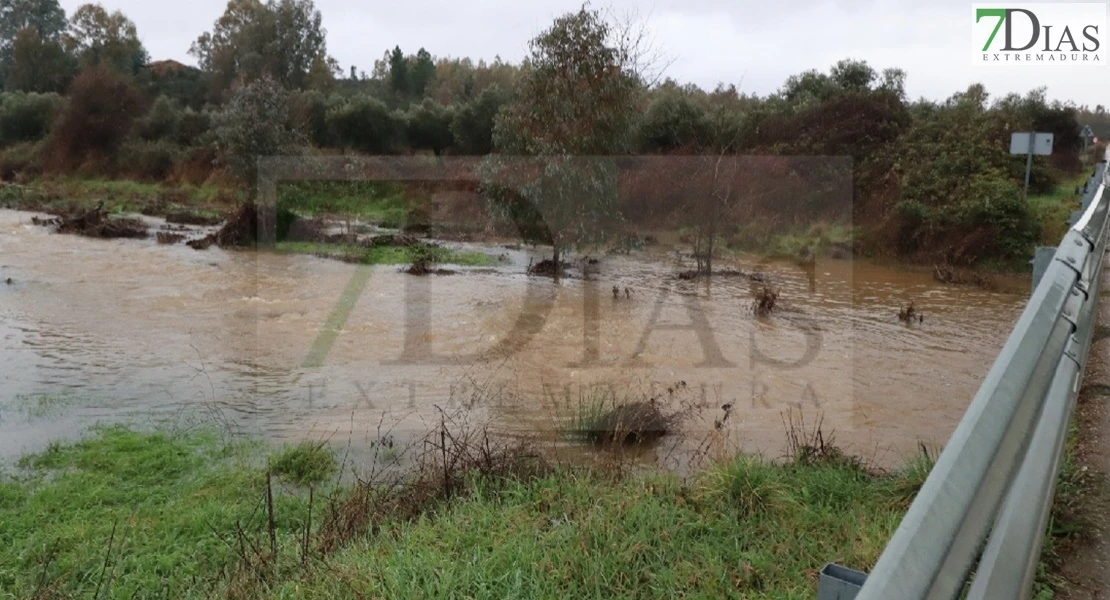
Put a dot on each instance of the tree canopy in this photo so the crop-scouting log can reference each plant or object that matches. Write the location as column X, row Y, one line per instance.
column 282, row 39
column 99, row 38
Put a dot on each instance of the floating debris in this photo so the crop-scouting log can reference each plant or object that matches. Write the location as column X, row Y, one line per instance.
column 693, row 275
column 909, row 314
column 46, row 222
column 188, row 218
column 97, row 223
column 167, row 237
column 765, row 301
column 547, row 267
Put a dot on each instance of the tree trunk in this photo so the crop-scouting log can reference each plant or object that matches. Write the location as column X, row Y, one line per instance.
column 709, row 250
column 697, row 250
column 555, row 259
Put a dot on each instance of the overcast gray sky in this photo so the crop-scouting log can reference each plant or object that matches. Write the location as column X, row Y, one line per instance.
column 752, row 44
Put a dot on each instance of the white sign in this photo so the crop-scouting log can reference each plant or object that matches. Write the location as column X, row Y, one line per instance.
column 1042, row 144
column 1064, row 34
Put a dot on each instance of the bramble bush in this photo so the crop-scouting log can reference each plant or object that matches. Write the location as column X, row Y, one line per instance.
column 98, row 117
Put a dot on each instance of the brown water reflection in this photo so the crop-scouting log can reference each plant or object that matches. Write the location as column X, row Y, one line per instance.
column 126, row 330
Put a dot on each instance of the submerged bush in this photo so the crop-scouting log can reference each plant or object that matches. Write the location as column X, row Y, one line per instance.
column 305, row 464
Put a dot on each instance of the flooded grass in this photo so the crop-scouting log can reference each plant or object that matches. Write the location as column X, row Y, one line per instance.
column 380, row 203
column 39, row 406
column 820, row 239
column 602, row 419
column 304, row 464
column 70, row 194
column 387, row 255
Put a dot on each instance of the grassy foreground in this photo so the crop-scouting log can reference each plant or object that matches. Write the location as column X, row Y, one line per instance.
column 134, row 514
column 184, row 516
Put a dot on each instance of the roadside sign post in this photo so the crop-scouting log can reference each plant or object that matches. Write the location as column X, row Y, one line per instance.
column 1030, row 143
column 1028, row 167
column 1086, row 133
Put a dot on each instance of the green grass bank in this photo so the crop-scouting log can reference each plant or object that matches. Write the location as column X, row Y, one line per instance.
column 125, row 513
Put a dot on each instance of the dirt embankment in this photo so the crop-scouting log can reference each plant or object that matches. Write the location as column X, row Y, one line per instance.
column 1084, row 556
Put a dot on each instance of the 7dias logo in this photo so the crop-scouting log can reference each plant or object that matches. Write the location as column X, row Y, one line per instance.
column 1039, row 34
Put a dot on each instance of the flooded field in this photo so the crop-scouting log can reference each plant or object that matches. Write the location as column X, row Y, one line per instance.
column 292, row 347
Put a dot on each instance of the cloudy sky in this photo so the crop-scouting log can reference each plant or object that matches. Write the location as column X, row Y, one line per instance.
column 753, row 44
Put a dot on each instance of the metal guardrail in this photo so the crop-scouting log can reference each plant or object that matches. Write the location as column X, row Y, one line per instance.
column 998, row 472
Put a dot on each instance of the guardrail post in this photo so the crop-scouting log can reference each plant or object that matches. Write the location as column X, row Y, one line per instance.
column 839, row 583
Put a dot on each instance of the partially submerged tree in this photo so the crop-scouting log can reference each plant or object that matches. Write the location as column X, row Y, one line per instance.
column 576, row 99
column 714, row 192
column 252, row 125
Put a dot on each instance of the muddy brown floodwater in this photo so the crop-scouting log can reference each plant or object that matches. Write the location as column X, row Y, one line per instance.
column 111, row 330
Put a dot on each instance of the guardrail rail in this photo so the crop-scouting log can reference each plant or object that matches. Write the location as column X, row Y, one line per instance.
column 995, row 479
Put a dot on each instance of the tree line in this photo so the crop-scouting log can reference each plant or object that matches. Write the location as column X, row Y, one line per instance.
column 82, row 95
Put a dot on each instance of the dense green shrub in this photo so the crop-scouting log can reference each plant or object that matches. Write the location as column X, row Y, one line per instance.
column 997, row 208
column 991, row 220
column 161, row 121
column 472, row 126
column 429, row 126
column 149, row 160
column 674, row 121
column 308, row 111
column 168, row 121
column 193, row 127
column 366, row 124
column 27, row 117
column 914, row 218
column 23, row 159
